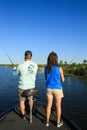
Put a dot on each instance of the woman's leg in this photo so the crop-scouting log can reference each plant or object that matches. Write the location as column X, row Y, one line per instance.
column 58, row 109
column 48, row 109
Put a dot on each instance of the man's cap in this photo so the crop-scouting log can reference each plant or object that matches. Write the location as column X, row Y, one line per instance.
column 28, row 54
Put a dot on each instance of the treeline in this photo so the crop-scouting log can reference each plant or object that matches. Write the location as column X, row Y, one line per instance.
column 72, row 69
column 9, row 65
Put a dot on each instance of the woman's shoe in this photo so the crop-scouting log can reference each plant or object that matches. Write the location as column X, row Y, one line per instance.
column 47, row 124
column 60, row 124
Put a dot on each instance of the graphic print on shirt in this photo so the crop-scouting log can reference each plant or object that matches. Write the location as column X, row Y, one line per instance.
column 31, row 68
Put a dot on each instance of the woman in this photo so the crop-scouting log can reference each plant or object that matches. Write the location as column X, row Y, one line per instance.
column 53, row 75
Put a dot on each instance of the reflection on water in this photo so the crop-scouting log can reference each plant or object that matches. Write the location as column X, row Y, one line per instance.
column 74, row 103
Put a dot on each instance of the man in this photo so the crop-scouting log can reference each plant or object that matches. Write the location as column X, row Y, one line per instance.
column 27, row 76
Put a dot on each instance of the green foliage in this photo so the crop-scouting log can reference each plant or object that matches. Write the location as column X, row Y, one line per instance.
column 76, row 70
column 69, row 69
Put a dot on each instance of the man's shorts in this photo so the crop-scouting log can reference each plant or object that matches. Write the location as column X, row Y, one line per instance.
column 20, row 92
column 57, row 93
column 20, row 97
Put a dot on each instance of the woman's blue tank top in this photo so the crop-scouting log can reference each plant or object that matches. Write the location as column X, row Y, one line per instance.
column 53, row 79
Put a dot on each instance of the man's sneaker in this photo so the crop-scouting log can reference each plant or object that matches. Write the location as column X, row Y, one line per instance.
column 23, row 117
column 30, row 120
column 47, row 124
column 60, row 124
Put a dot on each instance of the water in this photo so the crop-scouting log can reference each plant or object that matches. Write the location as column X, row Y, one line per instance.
column 74, row 103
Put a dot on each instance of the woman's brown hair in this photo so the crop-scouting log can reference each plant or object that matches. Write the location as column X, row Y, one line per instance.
column 52, row 60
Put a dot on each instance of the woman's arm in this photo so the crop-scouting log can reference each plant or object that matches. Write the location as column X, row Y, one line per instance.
column 62, row 74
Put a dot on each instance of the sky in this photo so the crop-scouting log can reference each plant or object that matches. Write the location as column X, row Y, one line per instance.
column 43, row 26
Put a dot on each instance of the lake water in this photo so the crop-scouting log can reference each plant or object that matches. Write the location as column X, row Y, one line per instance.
column 74, row 103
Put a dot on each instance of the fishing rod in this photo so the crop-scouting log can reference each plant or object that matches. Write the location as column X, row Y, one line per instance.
column 9, row 58
column 12, row 64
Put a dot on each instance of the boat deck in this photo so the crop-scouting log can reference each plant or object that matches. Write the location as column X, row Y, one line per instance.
column 13, row 121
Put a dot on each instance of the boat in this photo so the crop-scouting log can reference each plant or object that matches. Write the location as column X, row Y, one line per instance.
column 11, row 119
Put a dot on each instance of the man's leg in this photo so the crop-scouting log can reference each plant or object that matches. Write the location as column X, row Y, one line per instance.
column 22, row 103
column 31, row 107
column 22, row 107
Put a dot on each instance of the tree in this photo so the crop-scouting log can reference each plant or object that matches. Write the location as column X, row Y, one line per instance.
column 85, row 61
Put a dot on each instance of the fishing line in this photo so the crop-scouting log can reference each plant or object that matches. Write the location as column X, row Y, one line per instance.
column 9, row 58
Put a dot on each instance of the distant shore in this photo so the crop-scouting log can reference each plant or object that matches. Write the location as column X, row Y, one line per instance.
column 75, row 70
